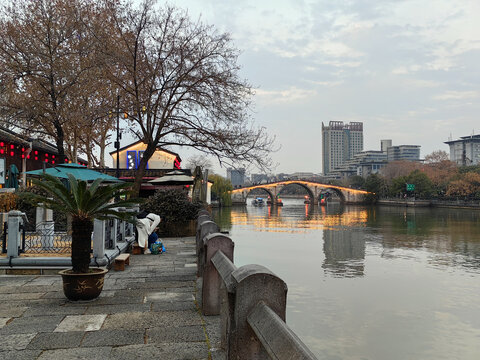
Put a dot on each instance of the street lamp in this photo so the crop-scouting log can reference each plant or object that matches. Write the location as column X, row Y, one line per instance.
column 117, row 143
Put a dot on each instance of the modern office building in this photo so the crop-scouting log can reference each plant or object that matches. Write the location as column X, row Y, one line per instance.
column 363, row 164
column 384, row 145
column 465, row 151
column 340, row 142
column 236, row 176
column 403, row 152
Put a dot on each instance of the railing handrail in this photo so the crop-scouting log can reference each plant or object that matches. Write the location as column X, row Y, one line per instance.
column 276, row 337
column 225, row 268
column 255, row 301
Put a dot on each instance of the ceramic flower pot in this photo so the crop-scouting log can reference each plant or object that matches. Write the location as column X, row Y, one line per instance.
column 85, row 286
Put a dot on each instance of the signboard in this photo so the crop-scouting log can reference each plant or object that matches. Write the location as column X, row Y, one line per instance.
column 2, row 171
column 410, row 187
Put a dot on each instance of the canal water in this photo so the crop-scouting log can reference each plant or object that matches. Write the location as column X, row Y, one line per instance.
column 370, row 282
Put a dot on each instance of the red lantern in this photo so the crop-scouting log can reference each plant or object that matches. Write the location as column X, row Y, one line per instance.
column 12, row 146
column 12, row 153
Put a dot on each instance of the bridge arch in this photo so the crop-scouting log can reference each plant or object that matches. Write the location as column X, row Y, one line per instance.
column 310, row 193
column 336, row 191
column 270, row 194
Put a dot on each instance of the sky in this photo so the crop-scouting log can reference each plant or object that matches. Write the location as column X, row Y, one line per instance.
column 407, row 69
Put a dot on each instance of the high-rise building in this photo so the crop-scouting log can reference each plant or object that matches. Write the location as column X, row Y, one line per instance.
column 340, row 142
column 465, row 151
column 236, row 176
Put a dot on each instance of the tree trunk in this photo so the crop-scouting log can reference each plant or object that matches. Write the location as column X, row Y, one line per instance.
column 81, row 244
column 141, row 169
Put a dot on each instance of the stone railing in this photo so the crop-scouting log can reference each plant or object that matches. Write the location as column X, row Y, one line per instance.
column 109, row 238
column 251, row 300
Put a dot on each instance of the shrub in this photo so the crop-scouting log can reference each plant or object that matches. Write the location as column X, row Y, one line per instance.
column 172, row 205
column 8, row 201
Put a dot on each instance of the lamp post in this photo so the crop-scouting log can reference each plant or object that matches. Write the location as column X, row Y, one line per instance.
column 117, row 143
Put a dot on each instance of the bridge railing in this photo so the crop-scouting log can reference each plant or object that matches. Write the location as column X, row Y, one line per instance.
column 251, row 301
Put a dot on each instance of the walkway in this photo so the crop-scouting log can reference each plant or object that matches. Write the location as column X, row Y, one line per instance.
column 148, row 311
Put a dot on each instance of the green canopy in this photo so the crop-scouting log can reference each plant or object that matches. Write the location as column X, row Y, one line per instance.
column 78, row 171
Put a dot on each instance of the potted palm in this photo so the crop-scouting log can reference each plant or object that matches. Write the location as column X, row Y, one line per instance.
column 83, row 203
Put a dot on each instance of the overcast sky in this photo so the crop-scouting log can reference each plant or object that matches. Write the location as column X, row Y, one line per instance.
column 407, row 69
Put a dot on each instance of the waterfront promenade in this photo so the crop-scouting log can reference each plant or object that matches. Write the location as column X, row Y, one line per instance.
column 148, row 311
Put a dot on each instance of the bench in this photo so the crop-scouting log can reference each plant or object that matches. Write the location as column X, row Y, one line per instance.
column 137, row 250
column 120, row 261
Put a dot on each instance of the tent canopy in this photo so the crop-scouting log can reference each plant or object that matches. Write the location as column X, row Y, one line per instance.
column 173, row 178
column 80, row 172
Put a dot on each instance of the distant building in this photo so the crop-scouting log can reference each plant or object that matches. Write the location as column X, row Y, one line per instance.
column 403, row 152
column 131, row 155
column 259, row 179
column 384, row 145
column 340, row 142
column 236, row 176
column 465, row 151
column 363, row 164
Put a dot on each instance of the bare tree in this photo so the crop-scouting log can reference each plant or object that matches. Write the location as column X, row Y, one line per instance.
column 52, row 80
column 437, row 156
column 198, row 160
column 180, row 85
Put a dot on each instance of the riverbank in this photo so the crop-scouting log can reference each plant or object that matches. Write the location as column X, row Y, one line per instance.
column 456, row 204
column 148, row 311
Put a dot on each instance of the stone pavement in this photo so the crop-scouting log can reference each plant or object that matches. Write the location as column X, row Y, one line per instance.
column 148, row 311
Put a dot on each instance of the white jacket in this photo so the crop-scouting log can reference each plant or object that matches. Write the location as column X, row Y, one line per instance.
column 145, row 227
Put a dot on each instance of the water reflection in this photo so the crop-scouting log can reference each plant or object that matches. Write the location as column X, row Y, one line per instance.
column 370, row 282
column 344, row 252
column 451, row 238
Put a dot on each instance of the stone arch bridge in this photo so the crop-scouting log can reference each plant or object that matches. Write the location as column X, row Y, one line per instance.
column 314, row 189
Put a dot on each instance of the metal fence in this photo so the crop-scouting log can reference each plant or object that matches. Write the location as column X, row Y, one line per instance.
column 46, row 240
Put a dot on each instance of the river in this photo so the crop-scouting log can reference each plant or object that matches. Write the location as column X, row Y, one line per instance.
column 370, row 282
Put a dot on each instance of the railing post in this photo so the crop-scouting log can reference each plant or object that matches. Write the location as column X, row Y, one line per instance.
column 14, row 234
column 211, row 279
column 99, row 238
column 254, row 284
column 45, row 227
column 207, row 227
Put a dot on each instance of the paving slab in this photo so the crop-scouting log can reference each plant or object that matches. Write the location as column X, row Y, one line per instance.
column 113, row 338
column 48, row 341
column 15, row 341
column 31, row 324
column 81, row 323
column 20, row 355
column 77, row 354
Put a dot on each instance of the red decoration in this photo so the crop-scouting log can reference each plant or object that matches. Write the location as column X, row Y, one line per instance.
column 2, row 151
column 2, row 144
column 36, row 157
column 46, row 155
column 36, row 152
column 12, row 153
column 12, row 146
column 23, row 156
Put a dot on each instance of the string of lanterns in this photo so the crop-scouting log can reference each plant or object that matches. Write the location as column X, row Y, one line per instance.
column 12, row 149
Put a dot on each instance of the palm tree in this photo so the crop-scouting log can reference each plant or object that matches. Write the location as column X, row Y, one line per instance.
column 84, row 204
